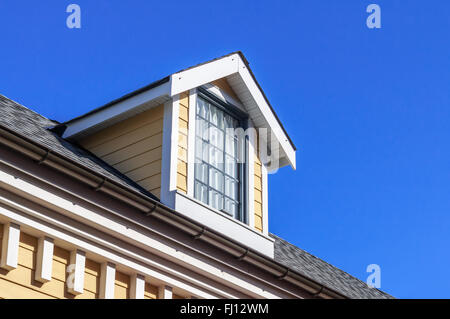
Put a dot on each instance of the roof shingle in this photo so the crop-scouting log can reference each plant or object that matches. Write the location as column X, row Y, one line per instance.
column 35, row 127
column 323, row 273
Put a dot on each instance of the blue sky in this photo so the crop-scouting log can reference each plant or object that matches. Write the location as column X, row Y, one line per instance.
column 367, row 109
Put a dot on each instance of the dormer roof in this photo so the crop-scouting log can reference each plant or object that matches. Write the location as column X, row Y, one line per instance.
column 234, row 67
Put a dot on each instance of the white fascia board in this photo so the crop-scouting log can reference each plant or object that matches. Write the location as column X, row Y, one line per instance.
column 267, row 112
column 203, row 74
column 214, row 70
column 224, row 224
column 115, row 110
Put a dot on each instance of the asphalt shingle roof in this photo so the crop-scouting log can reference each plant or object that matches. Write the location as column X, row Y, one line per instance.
column 33, row 126
column 322, row 272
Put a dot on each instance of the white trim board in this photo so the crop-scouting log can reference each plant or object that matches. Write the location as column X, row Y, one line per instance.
column 107, row 280
column 191, row 142
column 10, row 246
column 169, row 151
column 224, row 224
column 44, row 259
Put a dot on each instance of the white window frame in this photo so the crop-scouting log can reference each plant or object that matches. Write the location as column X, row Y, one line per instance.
column 248, row 172
column 241, row 179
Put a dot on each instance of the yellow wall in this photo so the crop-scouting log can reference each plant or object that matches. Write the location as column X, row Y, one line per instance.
column 20, row 283
column 134, row 147
column 122, row 286
column 183, row 124
column 151, row 292
column 258, row 191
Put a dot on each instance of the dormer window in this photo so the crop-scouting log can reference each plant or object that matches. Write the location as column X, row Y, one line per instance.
column 219, row 171
column 198, row 141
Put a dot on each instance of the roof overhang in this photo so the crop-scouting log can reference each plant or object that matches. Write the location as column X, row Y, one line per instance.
column 116, row 111
column 234, row 67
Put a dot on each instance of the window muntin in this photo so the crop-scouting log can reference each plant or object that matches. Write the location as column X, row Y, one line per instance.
column 218, row 173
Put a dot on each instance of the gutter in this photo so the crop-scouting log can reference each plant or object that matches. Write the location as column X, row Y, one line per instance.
column 152, row 207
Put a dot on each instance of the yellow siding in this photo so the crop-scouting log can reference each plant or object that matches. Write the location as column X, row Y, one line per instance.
column 258, row 191
column 1, row 237
column 134, row 147
column 20, row 284
column 150, row 292
column 92, row 277
column 177, row 297
column 183, row 124
column 122, row 286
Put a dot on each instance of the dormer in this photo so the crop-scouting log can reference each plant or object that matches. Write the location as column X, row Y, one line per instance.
column 203, row 140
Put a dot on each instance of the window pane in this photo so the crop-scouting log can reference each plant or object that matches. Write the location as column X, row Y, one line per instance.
column 229, row 122
column 202, row 108
column 216, row 117
column 201, row 128
column 230, row 145
column 216, row 168
column 201, row 192
column 231, row 166
column 216, row 199
column 231, row 188
column 216, row 137
column 201, row 150
column 216, row 157
column 231, row 207
column 216, row 180
column 201, row 172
